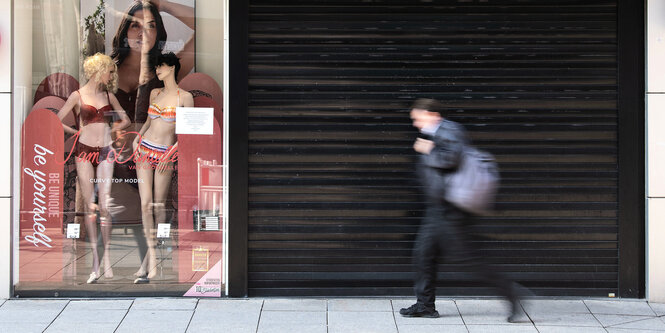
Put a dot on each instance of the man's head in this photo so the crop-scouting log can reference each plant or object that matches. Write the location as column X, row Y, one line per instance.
column 425, row 113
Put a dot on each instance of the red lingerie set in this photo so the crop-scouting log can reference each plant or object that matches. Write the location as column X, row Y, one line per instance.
column 89, row 115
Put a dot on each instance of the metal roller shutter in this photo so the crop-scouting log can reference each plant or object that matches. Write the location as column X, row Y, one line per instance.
column 333, row 202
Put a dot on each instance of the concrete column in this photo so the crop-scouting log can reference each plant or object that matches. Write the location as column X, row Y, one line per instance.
column 655, row 117
column 5, row 147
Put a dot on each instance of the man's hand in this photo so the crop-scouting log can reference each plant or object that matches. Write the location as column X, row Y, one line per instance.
column 423, row 146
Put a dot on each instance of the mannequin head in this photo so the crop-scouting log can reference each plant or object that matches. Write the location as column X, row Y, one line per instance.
column 102, row 69
column 169, row 60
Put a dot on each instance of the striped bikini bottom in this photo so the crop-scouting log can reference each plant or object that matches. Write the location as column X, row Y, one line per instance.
column 152, row 152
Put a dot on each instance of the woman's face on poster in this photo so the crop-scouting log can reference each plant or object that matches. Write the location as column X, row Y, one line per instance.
column 142, row 29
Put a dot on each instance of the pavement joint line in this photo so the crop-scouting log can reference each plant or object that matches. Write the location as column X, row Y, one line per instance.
column 630, row 322
column 594, row 315
column 56, row 316
column 460, row 315
column 125, row 316
column 193, row 312
column 528, row 316
column 258, row 322
column 392, row 307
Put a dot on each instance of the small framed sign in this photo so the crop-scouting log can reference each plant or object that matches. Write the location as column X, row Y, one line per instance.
column 73, row 230
column 163, row 230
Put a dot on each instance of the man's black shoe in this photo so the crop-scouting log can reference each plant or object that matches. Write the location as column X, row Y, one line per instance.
column 419, row 310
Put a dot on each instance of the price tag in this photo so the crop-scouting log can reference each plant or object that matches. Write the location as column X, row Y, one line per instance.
column 163, row 230
column 73, row 230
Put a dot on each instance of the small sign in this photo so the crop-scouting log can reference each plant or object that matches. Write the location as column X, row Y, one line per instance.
column 212, row 223
column 200, row 260
column 210, row 285
column 191, row 120
column 73, row 230
column 163, row 230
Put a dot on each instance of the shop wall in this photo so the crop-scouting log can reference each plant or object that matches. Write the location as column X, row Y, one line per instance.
column 655, row 98
column 5, row 146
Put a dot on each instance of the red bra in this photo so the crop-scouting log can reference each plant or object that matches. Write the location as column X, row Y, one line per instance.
column 90, row 114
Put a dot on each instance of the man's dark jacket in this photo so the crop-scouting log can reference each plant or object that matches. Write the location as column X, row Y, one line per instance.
column 435, row 168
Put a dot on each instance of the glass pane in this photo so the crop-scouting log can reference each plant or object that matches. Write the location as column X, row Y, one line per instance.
column 122, row 184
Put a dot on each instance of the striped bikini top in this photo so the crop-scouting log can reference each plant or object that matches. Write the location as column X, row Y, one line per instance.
column 167, row 113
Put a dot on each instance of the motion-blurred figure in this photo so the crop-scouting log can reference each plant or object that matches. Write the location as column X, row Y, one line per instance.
column 444, row 229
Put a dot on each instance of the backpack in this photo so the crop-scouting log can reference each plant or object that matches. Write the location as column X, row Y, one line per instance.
column 473, row 186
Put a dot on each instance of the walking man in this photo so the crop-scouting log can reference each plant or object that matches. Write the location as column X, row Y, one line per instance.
column 444, row 229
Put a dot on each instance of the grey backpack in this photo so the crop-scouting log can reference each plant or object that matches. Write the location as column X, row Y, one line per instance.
column 473, row 186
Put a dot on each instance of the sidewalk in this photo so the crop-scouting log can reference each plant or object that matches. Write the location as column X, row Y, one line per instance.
column 334, row 315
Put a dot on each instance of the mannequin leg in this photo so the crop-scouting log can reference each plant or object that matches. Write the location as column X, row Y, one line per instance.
column 161, row 191
column 85, row 173
column 105, row 172
column 144, row 173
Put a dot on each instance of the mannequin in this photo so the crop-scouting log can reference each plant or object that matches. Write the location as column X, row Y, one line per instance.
column 94, row 106
column 155, row 147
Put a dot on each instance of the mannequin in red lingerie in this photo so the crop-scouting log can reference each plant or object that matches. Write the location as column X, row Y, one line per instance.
column 95, row 106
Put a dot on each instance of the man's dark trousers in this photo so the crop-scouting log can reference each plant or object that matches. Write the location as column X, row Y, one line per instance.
column 444, row 232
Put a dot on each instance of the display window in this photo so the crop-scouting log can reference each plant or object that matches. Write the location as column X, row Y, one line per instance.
column 120, row 149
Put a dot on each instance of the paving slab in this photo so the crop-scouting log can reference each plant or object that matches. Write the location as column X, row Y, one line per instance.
column 111, row 304
column 570, row 319
column 81, row 326
column 623, row 307
column 611, row 320
column 431, row 329
column 29, row 327
column 366, row 322
column 658, row 308
column 568, row 329
column 185, row 304
column 654, row 324
column 360, row 305
column 627, row 330
column 554, row 306
column 293, row 327
column 209, row 320
column 487, row 312
column 291, row 317
column 501, row 329
column 277, row 304
column 230, row 305
column 91, row 316
column 157, row 321
column 31, row 311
